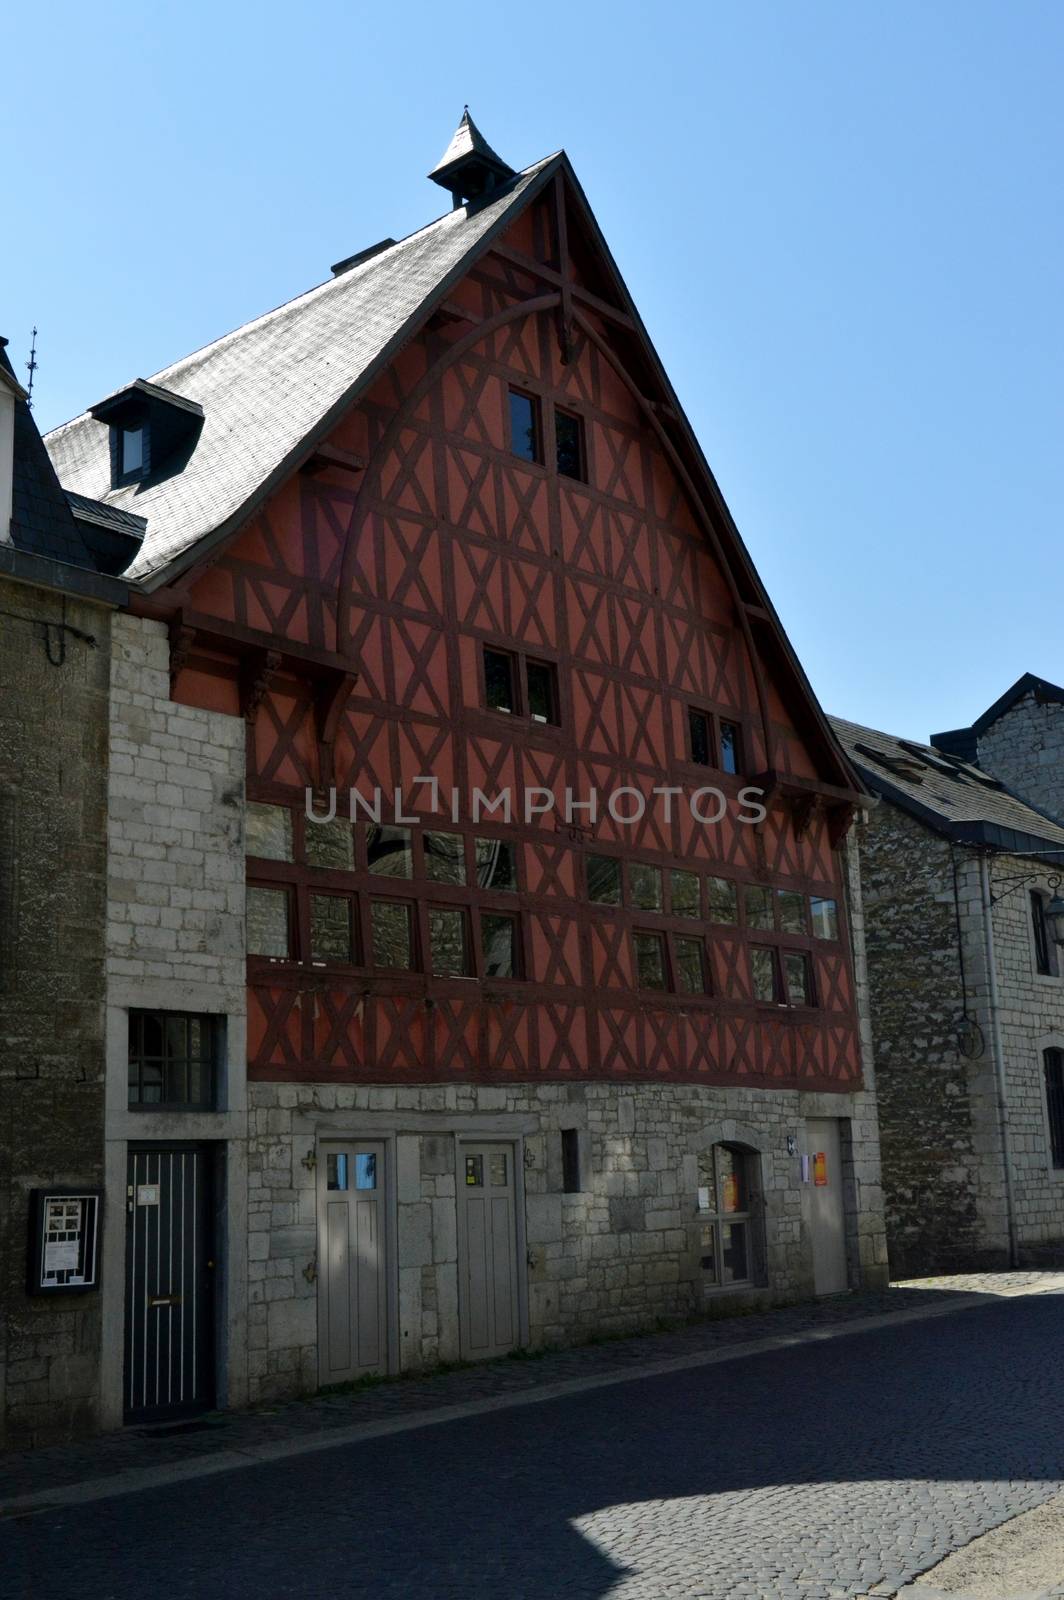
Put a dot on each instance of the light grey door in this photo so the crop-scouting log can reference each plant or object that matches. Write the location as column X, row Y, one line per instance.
column 352, row 1265
column 487, row 1251
column 826, row 1212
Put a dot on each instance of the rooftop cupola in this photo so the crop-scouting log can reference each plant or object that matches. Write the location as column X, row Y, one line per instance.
column 469, row 167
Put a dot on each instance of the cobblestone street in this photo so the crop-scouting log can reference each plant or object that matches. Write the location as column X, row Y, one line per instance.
column 828, row 1469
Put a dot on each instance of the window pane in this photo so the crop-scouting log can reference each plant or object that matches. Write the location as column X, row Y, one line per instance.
column 1054, row 1071
column 474, row 1172
column 524, row 426
column 649, row 960
column 722, row 900
column 498, row 1169
column 709, row 1252
column 179, row 1071
column 447, row 943
column 496, row 864
column 825, row 918
column 568, row 430
column 445, row 857
column 336, row 1172
column 543, row 692
column 392, row 944
column 1042, row 959
column 732, row 1180
column 388, row 851
column 645, row 884
column 701, row 744
column 132, row 449
column 686, row 900
column 799, row 979
column 763, row 973
column 733, row 1252
column 758, row 906
column 330, row 845
column 604, row 880
column 498, row 939
column 269, row 831
column 690, row 966
column 330, row 928
column 267, row 922
column 792, row 911
column 499, row 681
column 729, row 747
column 366, row 1170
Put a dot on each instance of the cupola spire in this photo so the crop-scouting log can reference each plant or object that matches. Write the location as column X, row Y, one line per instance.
column 469, row 167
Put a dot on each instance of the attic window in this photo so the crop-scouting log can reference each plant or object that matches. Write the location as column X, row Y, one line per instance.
column 153, row 431
column 902, row 766
column 132, row 448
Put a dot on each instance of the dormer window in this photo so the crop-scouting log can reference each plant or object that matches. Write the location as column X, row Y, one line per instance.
column 132, row 448
column 153, row 431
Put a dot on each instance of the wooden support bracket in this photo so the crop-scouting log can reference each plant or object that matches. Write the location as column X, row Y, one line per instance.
column 256, row 675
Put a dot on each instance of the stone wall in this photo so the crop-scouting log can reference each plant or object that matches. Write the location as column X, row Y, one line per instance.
column 53, row 776
column 175, row 942
column 621, row 1254
column 1025, row 749
column 940, row 1123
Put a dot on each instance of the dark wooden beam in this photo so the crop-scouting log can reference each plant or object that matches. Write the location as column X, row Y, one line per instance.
column 538, row 269
column 330, row 455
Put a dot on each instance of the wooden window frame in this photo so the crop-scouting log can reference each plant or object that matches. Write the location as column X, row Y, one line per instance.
column 354, row 931
column 284, row 886
column 715, row 722
column 522, row 660
column 473, row 966
column 213, row 1062
column 580, row 476
column 412, row 907
column 538, row 457
column 1046, row 964
column 513, row 915
column 1053, row 1056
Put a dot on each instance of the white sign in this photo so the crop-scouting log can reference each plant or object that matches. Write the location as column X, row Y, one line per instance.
column 61, row 1256
column 147, row 1194
column 703, row 1199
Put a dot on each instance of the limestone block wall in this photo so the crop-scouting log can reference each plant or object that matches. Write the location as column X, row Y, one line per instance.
column 940, row 1123
column 53, row 778
column 175, row 942
column 621, row 1254
column 1025, row 749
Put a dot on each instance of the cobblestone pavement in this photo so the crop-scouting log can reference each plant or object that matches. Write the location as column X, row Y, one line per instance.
column 827, row 1470
column 131, row 1450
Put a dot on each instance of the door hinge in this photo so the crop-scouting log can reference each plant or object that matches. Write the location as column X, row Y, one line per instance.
column 310, row 1271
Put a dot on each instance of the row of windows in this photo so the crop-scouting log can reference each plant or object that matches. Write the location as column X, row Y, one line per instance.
column 491, row 864
column 285, row 923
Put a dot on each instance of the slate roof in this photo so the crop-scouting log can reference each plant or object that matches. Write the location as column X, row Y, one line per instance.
column 946, row 793
column 105, row 516
column 275, row 386
column 41, row 519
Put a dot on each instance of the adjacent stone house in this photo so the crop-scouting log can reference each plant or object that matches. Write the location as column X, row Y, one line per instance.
column 483, row 947
column 55, row 645
column 966, row 982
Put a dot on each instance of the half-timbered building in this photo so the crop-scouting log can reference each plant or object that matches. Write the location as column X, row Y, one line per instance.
column 481, row 961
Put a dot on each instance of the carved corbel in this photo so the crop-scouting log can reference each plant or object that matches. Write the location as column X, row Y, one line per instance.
column 182, row 638
column 840, row 820
column 803, row 809
column 255, row 678
column 330, row 703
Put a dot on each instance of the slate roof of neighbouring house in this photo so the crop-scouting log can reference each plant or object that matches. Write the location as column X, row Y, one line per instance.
column 41, row 519
column 946, row 792
column 269, row 386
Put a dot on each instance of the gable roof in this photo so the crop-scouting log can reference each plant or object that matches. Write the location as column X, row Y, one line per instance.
column 273, row 387
column 946, row 793
column 965, row 741
column 273, row 390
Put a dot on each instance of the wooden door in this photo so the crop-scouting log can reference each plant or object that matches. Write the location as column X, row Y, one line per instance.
column 487, row 1251
column 169, row 1312
column 352, row 1262
column 827, row 1214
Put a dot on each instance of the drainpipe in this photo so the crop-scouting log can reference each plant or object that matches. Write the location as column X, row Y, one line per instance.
column 999, row 1058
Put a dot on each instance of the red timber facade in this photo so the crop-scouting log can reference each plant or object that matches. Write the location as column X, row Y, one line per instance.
column 512, row 1078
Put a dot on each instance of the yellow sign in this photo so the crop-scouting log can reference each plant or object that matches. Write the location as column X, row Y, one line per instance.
column 820, row 1169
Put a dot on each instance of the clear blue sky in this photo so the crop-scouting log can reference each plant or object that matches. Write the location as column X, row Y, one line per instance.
column 841, row 222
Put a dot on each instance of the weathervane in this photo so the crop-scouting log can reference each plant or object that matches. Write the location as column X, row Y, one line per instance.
column 31, row 368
